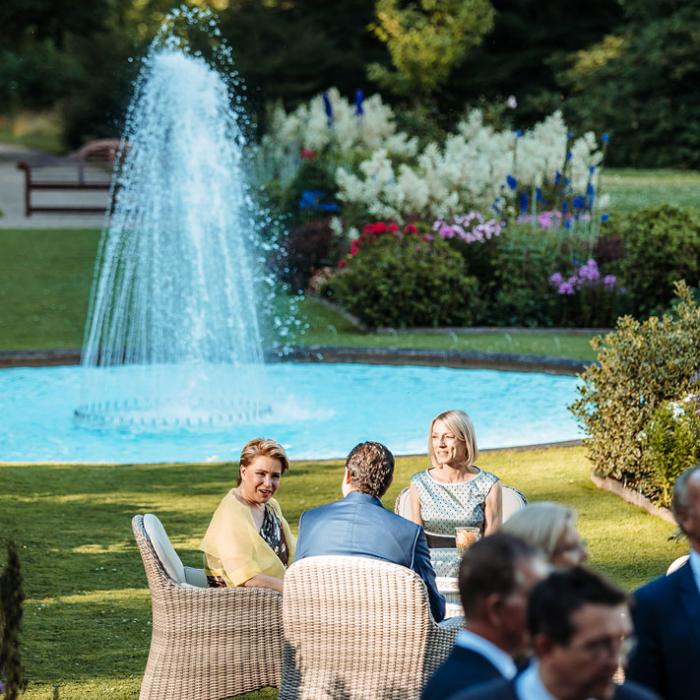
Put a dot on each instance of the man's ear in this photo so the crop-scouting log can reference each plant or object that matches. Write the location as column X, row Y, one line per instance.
column 541, row 645
column 492, row 608
column 347, row 478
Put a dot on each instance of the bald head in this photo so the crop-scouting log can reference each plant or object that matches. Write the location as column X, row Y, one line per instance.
column 686, row 504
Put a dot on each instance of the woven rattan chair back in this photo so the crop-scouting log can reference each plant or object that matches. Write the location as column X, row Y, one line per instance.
column 356, row 627
column 207, row 643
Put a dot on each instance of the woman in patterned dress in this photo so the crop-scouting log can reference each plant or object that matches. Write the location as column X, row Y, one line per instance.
column 453, row 492
column 248, row 542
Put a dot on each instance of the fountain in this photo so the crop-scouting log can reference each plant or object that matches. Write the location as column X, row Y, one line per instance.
column 173, row 335
column 172, row 366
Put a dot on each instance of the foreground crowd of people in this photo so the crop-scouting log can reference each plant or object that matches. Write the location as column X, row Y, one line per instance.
column 538, row 625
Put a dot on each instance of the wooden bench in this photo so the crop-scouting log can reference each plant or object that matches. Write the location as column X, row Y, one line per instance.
column 86, row 170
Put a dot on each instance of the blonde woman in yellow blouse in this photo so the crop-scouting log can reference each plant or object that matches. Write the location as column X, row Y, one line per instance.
column 248, row 542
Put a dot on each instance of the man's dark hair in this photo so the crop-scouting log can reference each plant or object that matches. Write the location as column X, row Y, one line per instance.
column 490, row 566
column 371, row 468
column 679, row 497
column 553, row 601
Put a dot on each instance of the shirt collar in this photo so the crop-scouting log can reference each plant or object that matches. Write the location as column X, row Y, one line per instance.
column 500, row 659
column 695, row 566
column 529, row 686
column 361, row 496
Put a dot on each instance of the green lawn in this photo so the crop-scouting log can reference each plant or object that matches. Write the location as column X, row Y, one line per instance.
column 87, row 615
column 631, row 189
column 45, row 279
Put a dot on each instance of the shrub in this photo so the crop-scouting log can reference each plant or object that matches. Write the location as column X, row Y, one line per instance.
column 309, row 247
column 673, row 442
column 586, row 297
column 11, row 599
column 661, row 247
column 522, row 262
column 641, row 365
column 402, row 280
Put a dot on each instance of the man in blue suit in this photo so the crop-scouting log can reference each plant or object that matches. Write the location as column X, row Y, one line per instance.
column 495, row 577
column 360, row 525
column 579, row 625
column 666, row 612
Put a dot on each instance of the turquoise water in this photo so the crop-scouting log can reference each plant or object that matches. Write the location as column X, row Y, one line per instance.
column 315, row 410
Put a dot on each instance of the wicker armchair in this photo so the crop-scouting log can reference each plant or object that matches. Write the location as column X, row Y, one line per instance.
column 206, row 643
column 358, row 628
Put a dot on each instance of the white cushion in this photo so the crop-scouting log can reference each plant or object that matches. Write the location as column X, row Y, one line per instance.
column 196, row 577
column 511, row 501
column 165, row 551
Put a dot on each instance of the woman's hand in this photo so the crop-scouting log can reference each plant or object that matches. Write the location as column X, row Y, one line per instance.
column 263, row 581
column 493, row 512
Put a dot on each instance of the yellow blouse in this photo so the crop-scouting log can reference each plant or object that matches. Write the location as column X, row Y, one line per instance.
column 233, row 548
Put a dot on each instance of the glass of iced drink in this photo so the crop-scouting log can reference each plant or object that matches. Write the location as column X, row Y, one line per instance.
column 465, row 537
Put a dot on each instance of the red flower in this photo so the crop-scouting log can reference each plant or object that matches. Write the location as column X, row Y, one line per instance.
column 393, row 227
column 342, row 262
column 307, row 154
column 354, row 248
column 410, row 228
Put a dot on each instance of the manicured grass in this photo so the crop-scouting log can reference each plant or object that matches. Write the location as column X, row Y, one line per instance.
column 45, row 279
column 87, row 615
column 329, row 328
column 632, row 189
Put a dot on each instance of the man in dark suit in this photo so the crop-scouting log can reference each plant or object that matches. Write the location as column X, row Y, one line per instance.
column 495, row 577
column 360, row 525
column 579, row 625
column 666, row 612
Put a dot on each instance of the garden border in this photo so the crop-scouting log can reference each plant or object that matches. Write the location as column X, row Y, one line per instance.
column 460, row 359
column 631, row 496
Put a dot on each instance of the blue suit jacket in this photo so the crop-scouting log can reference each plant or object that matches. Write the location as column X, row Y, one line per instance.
column 666, row 614
column 360, row 525
column 462, row 669
column 505, row 690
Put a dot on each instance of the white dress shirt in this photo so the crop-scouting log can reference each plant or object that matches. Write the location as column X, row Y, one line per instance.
column 499, row 658
column 529, row 686
column 694, row 561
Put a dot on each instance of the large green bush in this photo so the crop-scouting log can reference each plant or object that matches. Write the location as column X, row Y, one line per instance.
column 673, row 442
column 661, row 247
column 405, row 281
column 641, row 365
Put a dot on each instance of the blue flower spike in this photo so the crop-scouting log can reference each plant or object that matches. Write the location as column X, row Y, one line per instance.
column 328, row 107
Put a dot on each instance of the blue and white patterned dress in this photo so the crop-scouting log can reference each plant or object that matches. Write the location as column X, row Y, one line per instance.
column 443, row 507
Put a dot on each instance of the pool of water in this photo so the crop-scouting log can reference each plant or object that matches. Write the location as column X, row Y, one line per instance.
column 316, row 411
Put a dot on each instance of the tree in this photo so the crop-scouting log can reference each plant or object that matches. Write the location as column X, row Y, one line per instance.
column 640, row 84
column 522, row 54
column 425, row 39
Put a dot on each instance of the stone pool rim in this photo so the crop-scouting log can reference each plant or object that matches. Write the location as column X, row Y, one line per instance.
column 456, row 359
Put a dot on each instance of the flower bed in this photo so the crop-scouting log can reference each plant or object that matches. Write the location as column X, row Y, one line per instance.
column 523, row 211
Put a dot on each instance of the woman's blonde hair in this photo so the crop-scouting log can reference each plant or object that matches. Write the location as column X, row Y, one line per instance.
column 461, row 425
column 540, row 524
column 265, row 447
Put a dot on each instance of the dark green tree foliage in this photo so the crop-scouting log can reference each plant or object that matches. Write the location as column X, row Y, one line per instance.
column 647, row 96
column 520, row 55
column 11, row 599
column 33, row 59
column 294, row 50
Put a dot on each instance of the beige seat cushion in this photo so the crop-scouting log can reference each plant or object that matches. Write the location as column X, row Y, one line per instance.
column 166, row 553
